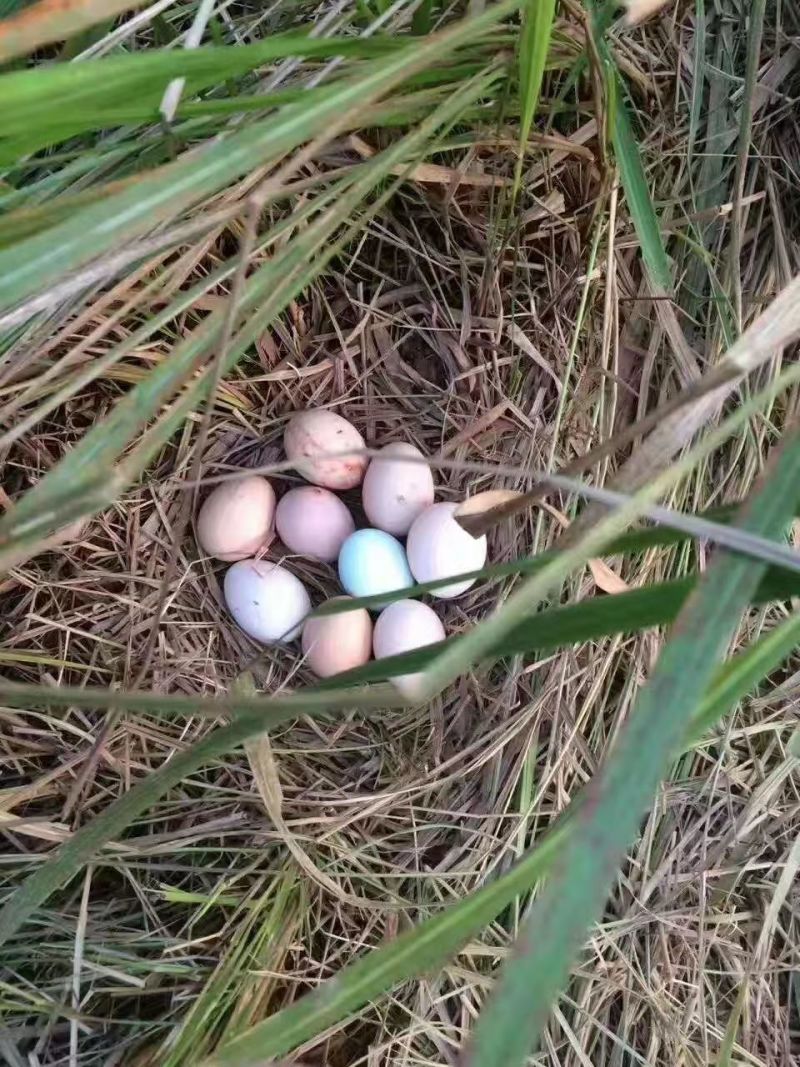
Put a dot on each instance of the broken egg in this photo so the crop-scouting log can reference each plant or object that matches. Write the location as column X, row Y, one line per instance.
column 438, row 546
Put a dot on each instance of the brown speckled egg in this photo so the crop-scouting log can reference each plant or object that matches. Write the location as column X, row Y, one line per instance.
column 336, row 643
column 236, row 519
column 311, row 521
column 312, row 436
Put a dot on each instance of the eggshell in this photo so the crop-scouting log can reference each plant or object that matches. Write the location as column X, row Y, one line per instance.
column 394, row 492
column 313, row 522
column 311, row 435
column 336, row 643
column 266, row 600
column 236, row 519
column 401, row 627
column 438, row 547
column 372, row 562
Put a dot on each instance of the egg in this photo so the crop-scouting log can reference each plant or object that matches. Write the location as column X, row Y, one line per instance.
column 438, row 547
column 395, row 492
column 236, row 519
column 266, row 600
column 336, row 643
column 373, row 562
column 403, row 626
column 313, row 522
column 311, row 436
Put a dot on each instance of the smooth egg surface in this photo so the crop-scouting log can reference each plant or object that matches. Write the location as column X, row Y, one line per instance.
column 311, row 521
column 236, row 519
column 395, row 492
column 336, row 643
column 309, row 439
column 266, row 600
column 373, row 562
column 438, row 547
column 401, row 627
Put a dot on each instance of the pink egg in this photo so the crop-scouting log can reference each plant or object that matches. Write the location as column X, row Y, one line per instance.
column 336, row 643
column 311, row 439
column 394, row 491
column 401, row 627
column 439, row 547
column 313, row 522
column 236, row 519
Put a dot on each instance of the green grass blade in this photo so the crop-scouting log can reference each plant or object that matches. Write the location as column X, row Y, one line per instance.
column 537, row 29
column 46, row 257
column 573, row 898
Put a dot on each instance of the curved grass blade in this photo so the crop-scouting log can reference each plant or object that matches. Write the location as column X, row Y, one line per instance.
column 572, row 899
column 53, row 20
column 537, row 28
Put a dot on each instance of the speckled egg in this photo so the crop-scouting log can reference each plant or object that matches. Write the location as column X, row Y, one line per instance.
column 309, row 440
column 396, row 492
column 438, row 547
column 336, row 643
column 236, row 519
column 313, row 522
column 373, row 562
column 266, row 600
column 401, row 627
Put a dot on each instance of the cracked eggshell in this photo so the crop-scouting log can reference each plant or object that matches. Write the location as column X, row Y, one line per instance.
column 313, row 522
column 266, row 600
column 438, row 546
column 401, row 627
column 336, row 643
column 311, row 436
column 236, row 519
column 394, row 492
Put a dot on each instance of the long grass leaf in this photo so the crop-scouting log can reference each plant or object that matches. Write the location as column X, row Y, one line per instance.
column 53, row 20
column 573, row 898
column 40, row 260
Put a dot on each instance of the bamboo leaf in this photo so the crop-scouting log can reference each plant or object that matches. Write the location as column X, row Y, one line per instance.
column 573, row 898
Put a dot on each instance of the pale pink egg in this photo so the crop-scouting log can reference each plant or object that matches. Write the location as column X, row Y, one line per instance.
column 236, row 519
column 336, row 643
column 311, row 440
column 401, row 627
column 313, row 522
column 394, row 491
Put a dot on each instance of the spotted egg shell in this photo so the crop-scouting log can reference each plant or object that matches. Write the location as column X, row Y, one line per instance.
column 311, row 440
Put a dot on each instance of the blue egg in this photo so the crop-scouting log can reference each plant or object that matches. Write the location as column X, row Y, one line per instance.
column 372, row 562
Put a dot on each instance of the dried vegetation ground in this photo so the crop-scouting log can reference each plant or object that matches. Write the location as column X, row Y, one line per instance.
column 270, row 869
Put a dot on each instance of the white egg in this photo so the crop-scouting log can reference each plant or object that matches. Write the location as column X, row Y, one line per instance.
column 266, row 600
column 395, row 492
column 401, row 627
column 438, row 547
